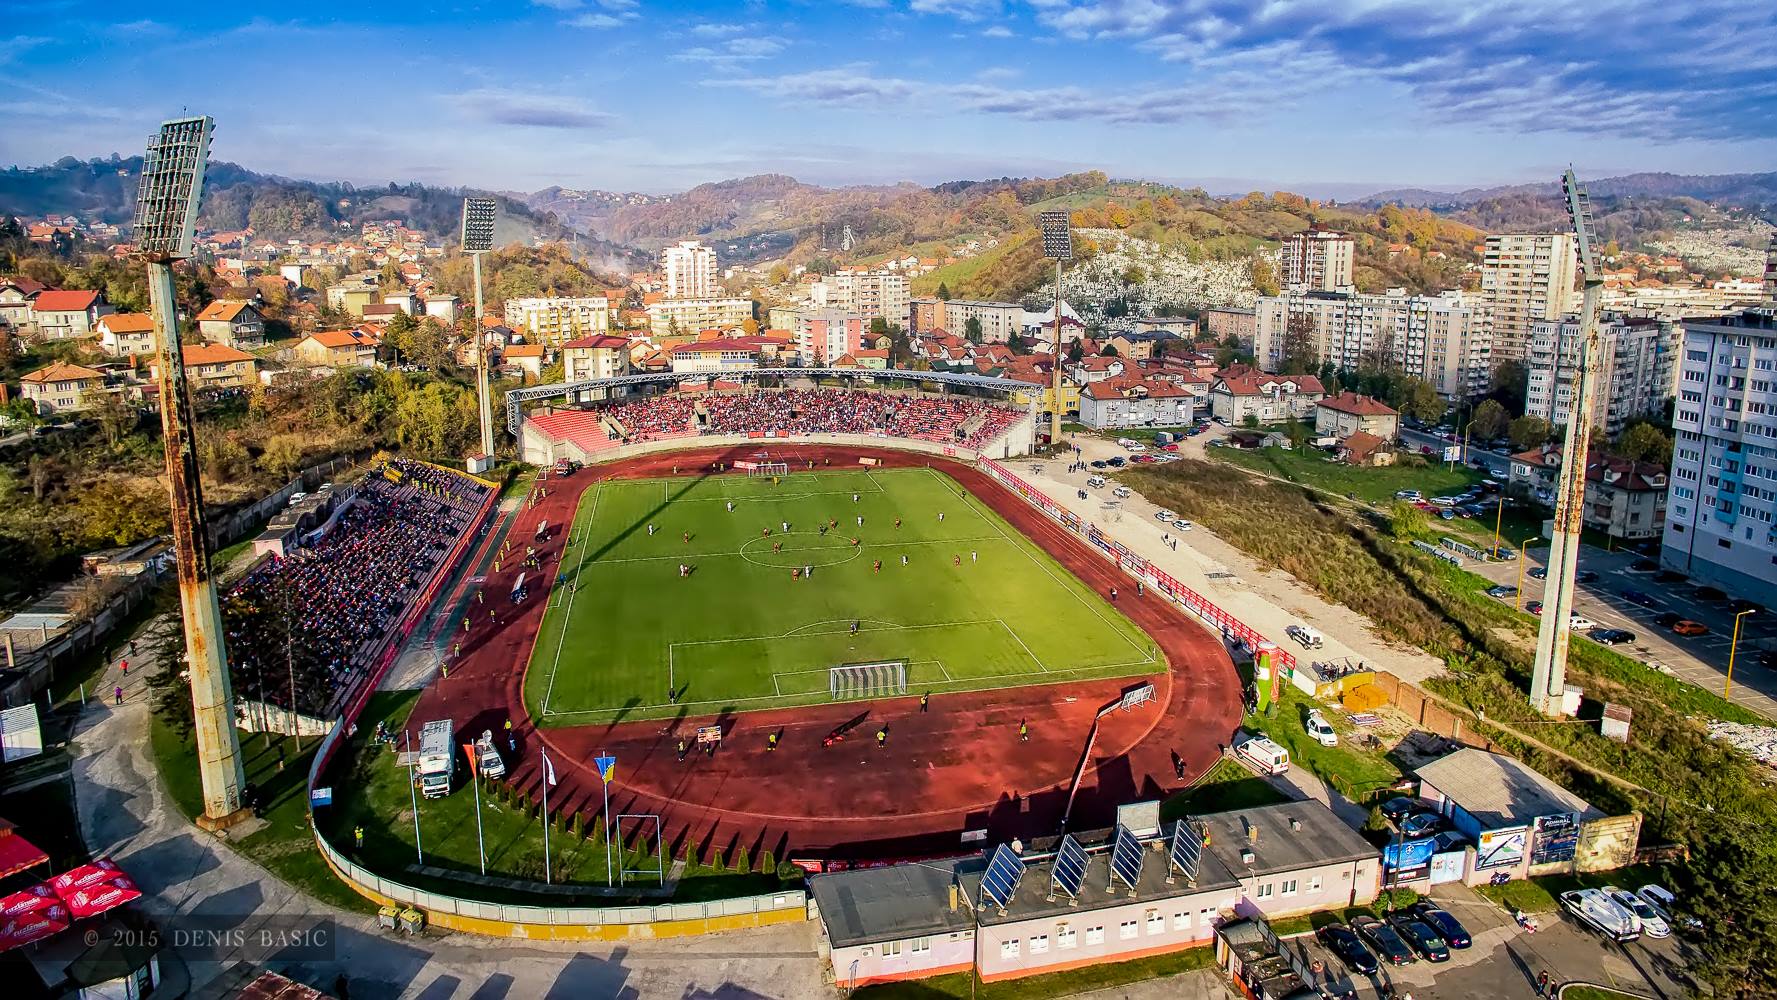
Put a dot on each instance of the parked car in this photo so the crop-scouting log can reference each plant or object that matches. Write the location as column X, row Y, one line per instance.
column 1447, row 926
column 1740, row 604
column 1585, row 576
column 1534, row 607
column 1183, row 525
column 1408, row 495
column 1611, row 636
column 1319, row 729
column 1666, row 905
column 1164, row 515
column 1669, row 576
column 1667, row 619
column 1382, row 938
column 1309, row 638
column 1688, row 627
column 1652, row 924
column 1121, row 492
column 1399, row 808
column 1344, row 942
column 1420, row 936
column 1580, row 623
column 1503, row 590
column 1097, row 463
column 1711, row 594
column 1421, row 825
column 1115, row 462
column 1640, row 597
column 1644, row 566
column 1538, row 573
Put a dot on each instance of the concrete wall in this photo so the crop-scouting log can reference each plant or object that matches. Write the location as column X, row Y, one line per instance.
column 912, row 958
column 539, row 449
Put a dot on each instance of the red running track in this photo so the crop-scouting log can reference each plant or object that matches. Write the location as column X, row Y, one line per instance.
column 959, row 766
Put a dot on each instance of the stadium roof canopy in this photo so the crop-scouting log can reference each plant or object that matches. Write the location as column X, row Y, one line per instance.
column 964, row 380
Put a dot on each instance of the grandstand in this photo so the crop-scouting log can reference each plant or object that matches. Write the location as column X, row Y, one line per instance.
column 950, row 420
column 308, row 624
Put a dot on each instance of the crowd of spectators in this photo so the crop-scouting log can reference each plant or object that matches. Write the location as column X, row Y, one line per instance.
column 335, row 598
column 948, row 419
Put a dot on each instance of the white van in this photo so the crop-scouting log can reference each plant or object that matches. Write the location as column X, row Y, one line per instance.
column 1096, row 482
column 1308, row 637
column 1265, row 755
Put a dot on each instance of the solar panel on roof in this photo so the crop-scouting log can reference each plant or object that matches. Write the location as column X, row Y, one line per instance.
column 1000, row 881
column 1187, row 850
column 1070, row 866
column 1126, row 858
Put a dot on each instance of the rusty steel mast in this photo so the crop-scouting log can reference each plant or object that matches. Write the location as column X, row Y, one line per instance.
column 1548, row 681
column 1057, row 236
column 172, row 184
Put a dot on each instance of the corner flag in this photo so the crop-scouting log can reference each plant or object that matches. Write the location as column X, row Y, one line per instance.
column 548, row 769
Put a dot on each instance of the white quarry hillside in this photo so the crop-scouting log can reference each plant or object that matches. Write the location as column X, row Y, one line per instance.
column 1167, row 279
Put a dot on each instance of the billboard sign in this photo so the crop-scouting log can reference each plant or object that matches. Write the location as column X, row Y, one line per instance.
column 1557, row 839
column 1408, row 860
column 1501, row 848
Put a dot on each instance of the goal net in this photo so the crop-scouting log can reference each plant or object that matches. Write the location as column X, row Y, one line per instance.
column 770, row 469
column 883, row 679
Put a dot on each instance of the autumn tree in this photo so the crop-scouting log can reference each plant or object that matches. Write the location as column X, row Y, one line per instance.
column 1301, row 350
column 1644, row 442
column 1490, row 420
column 1529, row 432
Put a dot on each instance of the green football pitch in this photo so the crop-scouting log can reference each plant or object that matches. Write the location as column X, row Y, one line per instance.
column 965, row 602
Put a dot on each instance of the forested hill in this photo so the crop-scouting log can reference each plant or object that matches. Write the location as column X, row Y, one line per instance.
column 276, row 208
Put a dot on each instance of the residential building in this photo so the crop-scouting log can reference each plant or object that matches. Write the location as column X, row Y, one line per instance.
column 124, row 335
column 1136, row 401
column 1142, row 345
column 1721, row 525
column 555, row 321
column 16, row 298
column 715, row 356
column 1624, row 499
column 601, row 356
column 1349, row 413
column 1444, row 339
column 338, row 349
column 61, row 388
column 880, row 294
column 1222, row 323
column 914, row 920
column 825, row 335
column 690, row 269
column 671, row 317
column 1317, row 261
column 1000, row 321
column 232, row 324
column 295, row 274
column 68, row 315
column 1182, row 327
column 1637, row 369
column 525, row 360
column 352, row 295
column 215, row 366
column 1242, row 392
column 445, row 308
column 1525, row 278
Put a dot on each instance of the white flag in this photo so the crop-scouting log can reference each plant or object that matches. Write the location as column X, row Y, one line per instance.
column 548, row 769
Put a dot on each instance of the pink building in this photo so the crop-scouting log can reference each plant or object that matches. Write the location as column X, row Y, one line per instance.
column 911, row 921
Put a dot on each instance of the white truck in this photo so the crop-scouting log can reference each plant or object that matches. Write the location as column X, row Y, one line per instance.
column 488, row 761
column 438, row 759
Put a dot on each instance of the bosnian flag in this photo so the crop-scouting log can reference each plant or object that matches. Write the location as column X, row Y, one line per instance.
column 548, row 769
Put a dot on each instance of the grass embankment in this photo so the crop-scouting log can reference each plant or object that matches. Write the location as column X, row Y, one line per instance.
column 1226, row 786
column 1539, row 895
column 1359, row 774
column 958, row 986
column 1712, row 799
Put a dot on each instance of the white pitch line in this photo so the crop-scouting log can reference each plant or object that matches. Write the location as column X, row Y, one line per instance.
column 574, row 589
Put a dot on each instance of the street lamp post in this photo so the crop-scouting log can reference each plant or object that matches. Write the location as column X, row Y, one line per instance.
column 1734, row 647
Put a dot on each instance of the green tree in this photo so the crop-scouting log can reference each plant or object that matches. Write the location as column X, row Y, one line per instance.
column 943, row 291
column 1250, row 421
column 1510, row 379
column 1264, row 277
column 117, row 417
column 1529, row 432
column 1644, row 442
column 1075, row 352
column 972, row 329
column 1301, row 351
column 1422, row 402
column 1108, row 351
column 1490, row 419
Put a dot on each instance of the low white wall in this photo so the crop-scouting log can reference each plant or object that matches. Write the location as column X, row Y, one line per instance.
column 540, row 449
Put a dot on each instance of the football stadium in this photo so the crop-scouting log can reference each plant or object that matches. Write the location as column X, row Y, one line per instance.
column 818, row 622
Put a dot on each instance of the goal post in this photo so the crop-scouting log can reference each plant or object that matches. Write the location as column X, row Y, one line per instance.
column 878, row 679
column 767, row 469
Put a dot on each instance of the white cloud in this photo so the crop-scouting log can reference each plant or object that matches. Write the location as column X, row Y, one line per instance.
column 530, row 109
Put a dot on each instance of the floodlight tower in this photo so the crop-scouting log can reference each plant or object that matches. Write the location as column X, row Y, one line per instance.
column 478, row 238
column 1548, row 680
column 1058, row 245
column 172, row 184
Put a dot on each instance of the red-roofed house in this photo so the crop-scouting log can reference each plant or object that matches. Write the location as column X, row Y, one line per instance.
column 598, row 356
column 338, row 349
column 1239, row 393
column 61, row 388
column 232, row 324
column 70, row 315
column 1135, row 401
column 526, row 358
column 1349, row 413
column 214, row 366
column 1366, row 449
column 16, row 296
column 1624, row 499
column 124, row 335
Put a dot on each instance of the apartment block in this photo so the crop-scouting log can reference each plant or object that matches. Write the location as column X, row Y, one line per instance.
column 1526, row 278
column 826, row 335
column 690, row 269
column 687, row 316
column 999, row 320
column 1444, row 339
column 1317, row 261
column 1637, row 370
column 1721, row 521
column 880, row 294
column 555, row 321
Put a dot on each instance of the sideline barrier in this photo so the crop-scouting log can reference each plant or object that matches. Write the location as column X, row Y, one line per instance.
column 500, row 920
column 1139, row 568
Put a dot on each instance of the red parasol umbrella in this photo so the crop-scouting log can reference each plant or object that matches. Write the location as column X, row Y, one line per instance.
column 35, row 898
column 96, row 899
column 102, row 870
column 35, row 925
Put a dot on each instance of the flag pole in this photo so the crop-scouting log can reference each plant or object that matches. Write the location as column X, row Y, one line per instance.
column 413, row 793
column 475, row 779
column 606, row 782
column 548, row 773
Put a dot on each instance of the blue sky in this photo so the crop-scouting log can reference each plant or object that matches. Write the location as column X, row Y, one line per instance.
column 1320, row 96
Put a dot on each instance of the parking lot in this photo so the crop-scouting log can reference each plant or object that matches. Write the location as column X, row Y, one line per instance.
column 1701, row 660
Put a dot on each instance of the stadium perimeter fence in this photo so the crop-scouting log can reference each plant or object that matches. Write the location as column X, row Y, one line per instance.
column 509, row 920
